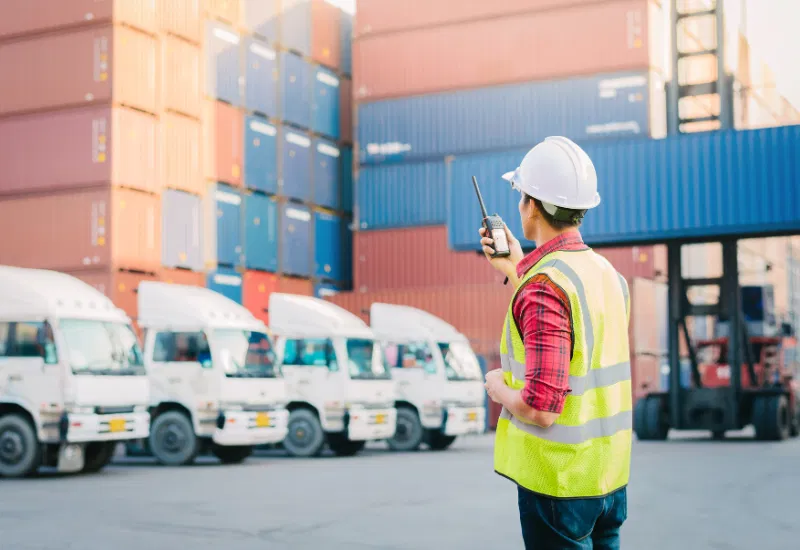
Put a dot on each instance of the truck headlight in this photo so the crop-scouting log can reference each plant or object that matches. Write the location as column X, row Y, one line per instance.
column 80, row 410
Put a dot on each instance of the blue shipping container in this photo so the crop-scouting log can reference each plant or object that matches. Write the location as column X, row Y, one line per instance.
column 325, row 103
column 296, row 25
column 227, row 282
column 260, row 155
column 710, row 185
column 327, row 183
column 295, row 240
column 347, row 43
column 261, row 233
column 262, row 17
column 347, row 179
column 229, row 225
column 325, row 290
column 329, row 232
column 295, row 75
column 402, row 195
column 261, row 78
column 296, row 166
column 222, row 63
column 506, row 117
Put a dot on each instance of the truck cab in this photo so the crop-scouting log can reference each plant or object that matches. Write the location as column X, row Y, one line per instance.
column 72, row 377
column 215, row 379
column 440, row 392
column 341, row 392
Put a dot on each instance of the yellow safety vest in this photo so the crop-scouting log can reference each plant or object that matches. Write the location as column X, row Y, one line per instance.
column 587, row 451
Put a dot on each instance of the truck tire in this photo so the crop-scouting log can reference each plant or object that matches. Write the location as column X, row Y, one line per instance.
column 409, row 433
column 98, row 455
column 649, row 421
column 341, row 446
column 20, row 451
column 172, row 439
column 771, row 417
column 305, row 438
column 232, row 454
column 437, row 441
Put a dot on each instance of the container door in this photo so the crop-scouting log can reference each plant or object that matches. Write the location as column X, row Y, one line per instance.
column 296, row 240
column 296, row 90
column 327, row 246
column 261, row 78
column 296, row 169
column 327, row 187
column 229, row 220
column 182, row 244
column 222, row 63
column 325, row 104
column 296, row 21
column 260, row 155
column 261, row 233
column 227, row 282
column 260, row 17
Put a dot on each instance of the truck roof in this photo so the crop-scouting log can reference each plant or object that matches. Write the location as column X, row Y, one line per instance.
column 407, row 323
column 307, row 317
column 171, row 306
column 28, row 294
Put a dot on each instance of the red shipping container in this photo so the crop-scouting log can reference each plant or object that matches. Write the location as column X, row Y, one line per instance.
column 223, row 135
column 225, row 10
column 292, row 285
column 415, row 258
column 181, row 162
column 78, row 148
column 649, row 317
column 647, row 262
column 645, row 375
column 581, row 40
column 34, row 16
column 87, row 229
column 326, row 35
column 181, row 18
column 256, row 291
column 182, row 277
column 346, row 122
column 120, row 286
column 97, row 65
column 180, row 77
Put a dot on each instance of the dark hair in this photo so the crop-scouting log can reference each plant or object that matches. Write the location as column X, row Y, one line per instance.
column 566, row 218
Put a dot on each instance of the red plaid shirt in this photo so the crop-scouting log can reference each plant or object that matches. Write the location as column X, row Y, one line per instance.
column 542, row 312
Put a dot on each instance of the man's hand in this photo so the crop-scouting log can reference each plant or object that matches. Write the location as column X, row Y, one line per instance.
column 508, row 265
column 494, row 385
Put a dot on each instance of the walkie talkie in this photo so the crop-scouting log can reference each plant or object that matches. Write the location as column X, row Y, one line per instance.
column 494, row 227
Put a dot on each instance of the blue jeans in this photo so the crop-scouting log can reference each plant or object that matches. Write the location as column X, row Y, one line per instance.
column 572, row 524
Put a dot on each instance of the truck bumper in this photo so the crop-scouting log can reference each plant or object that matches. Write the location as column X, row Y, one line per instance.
column 371, row 424
column 85, row 428
column 465, row 420
column 251, row 428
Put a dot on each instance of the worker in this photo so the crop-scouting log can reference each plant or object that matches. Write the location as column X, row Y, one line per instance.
column 564, row 434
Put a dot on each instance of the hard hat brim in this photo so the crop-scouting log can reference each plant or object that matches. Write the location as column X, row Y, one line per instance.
column 509, row 177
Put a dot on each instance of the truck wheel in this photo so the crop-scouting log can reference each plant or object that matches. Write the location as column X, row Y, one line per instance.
column 232, row 454
column 172, row 439
column 649, row 420
column 20, row 451
column 305, row 437
column 437, row 441
column 771, row 417
column 341, row 446
column 409, row 432
column 98, row 455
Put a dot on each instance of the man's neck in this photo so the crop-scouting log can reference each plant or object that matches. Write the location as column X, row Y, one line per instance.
column 547, row 234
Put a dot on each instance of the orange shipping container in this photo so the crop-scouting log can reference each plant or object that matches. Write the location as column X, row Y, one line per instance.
column 588, row 39
column 346, row 123
column 256, row 291
column 88, row 229
column 181, row 18
column 120, row 286
column 79, row 148
column 182, row 277
column 181, row 139
column 291, row 285
column 223, row 136
column 116, row 64
column 645, row 375
column 226, row 10
column 326, row 36
column 180, row 76
column 34, row 16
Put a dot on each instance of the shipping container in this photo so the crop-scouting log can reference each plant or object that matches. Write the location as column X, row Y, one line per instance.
column 260, row 155
column 645, row 374
column 260, row 232
column 223, row 68
column 182, row 167
column 645, row 262
column 467, row 121
column 408, row 195
column 325, row 103
column 180, row 76
column 80, row 147
column 346, row 122
column 182, row 230
column 38, row 16
column 262, row 18
column 326, row 33
column 226, row 281
column 294, row 285
column 225, row 10
column 296, row 79
column 181, row 18
column 295, row 240
column 228, row 226
column 120, row 286
column 330, row 233
column 223, row 136
column 258, row 286
column 602, row 37
column 182, row 277
column 418, row 257
column 327, row 179
column 649, row 320
column 347, row 179
column 74, row 68
column 652, row 190
column 347, row 43
column 295, row 178
column 83, row 230
column 261, row 77
column 296, row 26
column 325, row 290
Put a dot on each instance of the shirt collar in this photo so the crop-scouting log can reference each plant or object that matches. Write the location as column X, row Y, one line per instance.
column 570, row 239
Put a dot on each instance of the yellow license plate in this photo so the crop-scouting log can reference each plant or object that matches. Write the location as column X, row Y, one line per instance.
column 262, row 420
column 116, row 425
column 472, row 417
column 380, row 419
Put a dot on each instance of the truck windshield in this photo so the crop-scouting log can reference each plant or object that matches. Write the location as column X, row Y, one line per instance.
column 251, row 353
column 460, row 362
column 102, row 348
column 365, row 360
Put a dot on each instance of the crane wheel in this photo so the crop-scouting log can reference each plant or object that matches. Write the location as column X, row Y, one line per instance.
column 771, row 418
column 650, row 419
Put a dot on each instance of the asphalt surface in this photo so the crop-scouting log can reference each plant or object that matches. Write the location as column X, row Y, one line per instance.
column 689, row 494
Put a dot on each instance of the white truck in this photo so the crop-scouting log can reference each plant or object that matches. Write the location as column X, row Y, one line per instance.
column 72, row 379
column 215, row 381
column 440, row 392
column 341, row 392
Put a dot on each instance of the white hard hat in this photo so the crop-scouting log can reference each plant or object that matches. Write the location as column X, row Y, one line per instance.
column 559, row 174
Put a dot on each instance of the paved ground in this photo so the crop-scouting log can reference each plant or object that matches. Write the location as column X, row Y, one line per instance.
column 691, row 494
